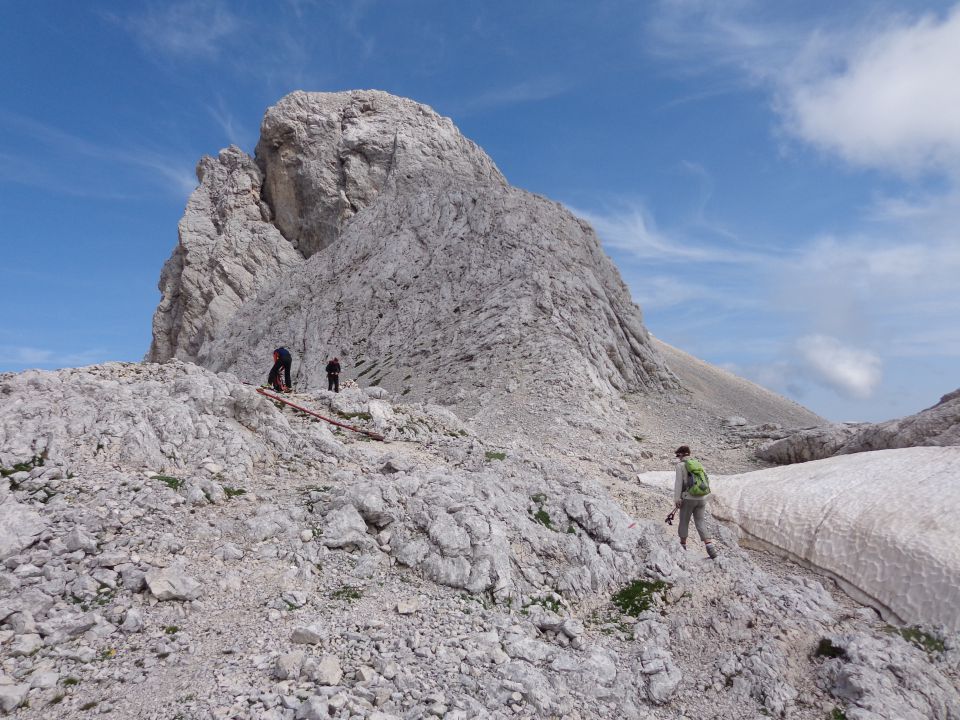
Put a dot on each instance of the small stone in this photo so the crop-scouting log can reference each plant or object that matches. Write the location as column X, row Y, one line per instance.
column 408, row 606
column 294, row 599
column 287, row 667
column 133, row 621
column 313, row 708
column 310, row 635
column 44, row 679
column 172, row 584
column 12, row 696
column 80, row 539
column 24, row 645
column 328, row 671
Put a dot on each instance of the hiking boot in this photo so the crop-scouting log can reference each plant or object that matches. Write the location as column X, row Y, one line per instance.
column 712, row 551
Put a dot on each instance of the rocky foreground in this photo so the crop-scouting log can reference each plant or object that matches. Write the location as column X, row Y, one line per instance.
column 176, row 545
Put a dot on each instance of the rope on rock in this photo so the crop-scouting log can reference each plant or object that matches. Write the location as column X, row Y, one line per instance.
column 368, row 433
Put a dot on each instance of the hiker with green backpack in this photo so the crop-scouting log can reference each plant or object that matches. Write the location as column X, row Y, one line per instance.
column 691, row 490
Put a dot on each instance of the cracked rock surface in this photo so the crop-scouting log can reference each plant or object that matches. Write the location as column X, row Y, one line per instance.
column 437, row 575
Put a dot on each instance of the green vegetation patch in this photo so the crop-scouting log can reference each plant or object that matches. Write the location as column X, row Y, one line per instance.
column 34, row 462
column 543, row 517
column 348, row 592
column 232, row 492
column 837, row 714
column 638, row 596
column 923, row 640
column 170, row 481
column 540, row 515
column 550, row 603
column 491, row 455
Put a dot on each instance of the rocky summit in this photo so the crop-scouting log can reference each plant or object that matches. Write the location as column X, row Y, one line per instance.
column 176, row 544
column 369, row 228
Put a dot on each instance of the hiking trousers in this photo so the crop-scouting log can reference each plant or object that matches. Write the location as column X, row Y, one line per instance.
column 282, row 364
column 697, row 507
column 333, row 382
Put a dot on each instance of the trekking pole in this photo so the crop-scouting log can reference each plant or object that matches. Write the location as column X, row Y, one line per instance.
column 368, row 433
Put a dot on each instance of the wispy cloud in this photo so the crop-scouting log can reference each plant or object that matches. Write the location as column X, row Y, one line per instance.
column 183, row 30
column 234, row 134
column 525, row 91
column 27, row 356
column 632, row 229
column 168, row 171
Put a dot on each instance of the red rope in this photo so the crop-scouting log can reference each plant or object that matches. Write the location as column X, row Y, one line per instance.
column 368, row 433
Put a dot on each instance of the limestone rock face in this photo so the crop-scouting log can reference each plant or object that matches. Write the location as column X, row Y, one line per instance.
column 326, row 156
column 228, row 251
column 426, row 272
column 937, row 425
column 166, row 417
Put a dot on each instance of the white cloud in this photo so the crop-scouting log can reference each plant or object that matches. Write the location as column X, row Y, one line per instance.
column 633, row 230
column 661, row 291
column 173, row 174
column 27, row 356
column 894, row 102
column 184, row 30
column 525, row 91
column 852, row 372
column 868, row 84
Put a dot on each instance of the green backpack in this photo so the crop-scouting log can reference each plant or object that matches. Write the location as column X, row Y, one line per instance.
column 698, row 484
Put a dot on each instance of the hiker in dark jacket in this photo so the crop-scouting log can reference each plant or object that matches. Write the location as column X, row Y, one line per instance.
column 282, row 360
column 333, row 375
column 690, row 504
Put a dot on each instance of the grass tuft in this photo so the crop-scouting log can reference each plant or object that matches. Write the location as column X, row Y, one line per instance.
column 638, row 596
column 170, row 481
column 348, row 592
column 923, row 640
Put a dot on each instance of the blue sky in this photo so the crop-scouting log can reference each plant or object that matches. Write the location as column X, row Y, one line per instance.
column 779, row 183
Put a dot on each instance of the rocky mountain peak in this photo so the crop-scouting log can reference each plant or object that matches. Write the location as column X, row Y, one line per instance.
column 326, row 157
column 371, row 229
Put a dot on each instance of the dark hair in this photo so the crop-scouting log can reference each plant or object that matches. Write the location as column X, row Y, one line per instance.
column 683, row 450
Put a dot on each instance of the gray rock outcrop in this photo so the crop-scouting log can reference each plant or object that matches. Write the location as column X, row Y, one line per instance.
column 168, row 417
column 396, row 244
column 228, row 252
column 937, row 425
